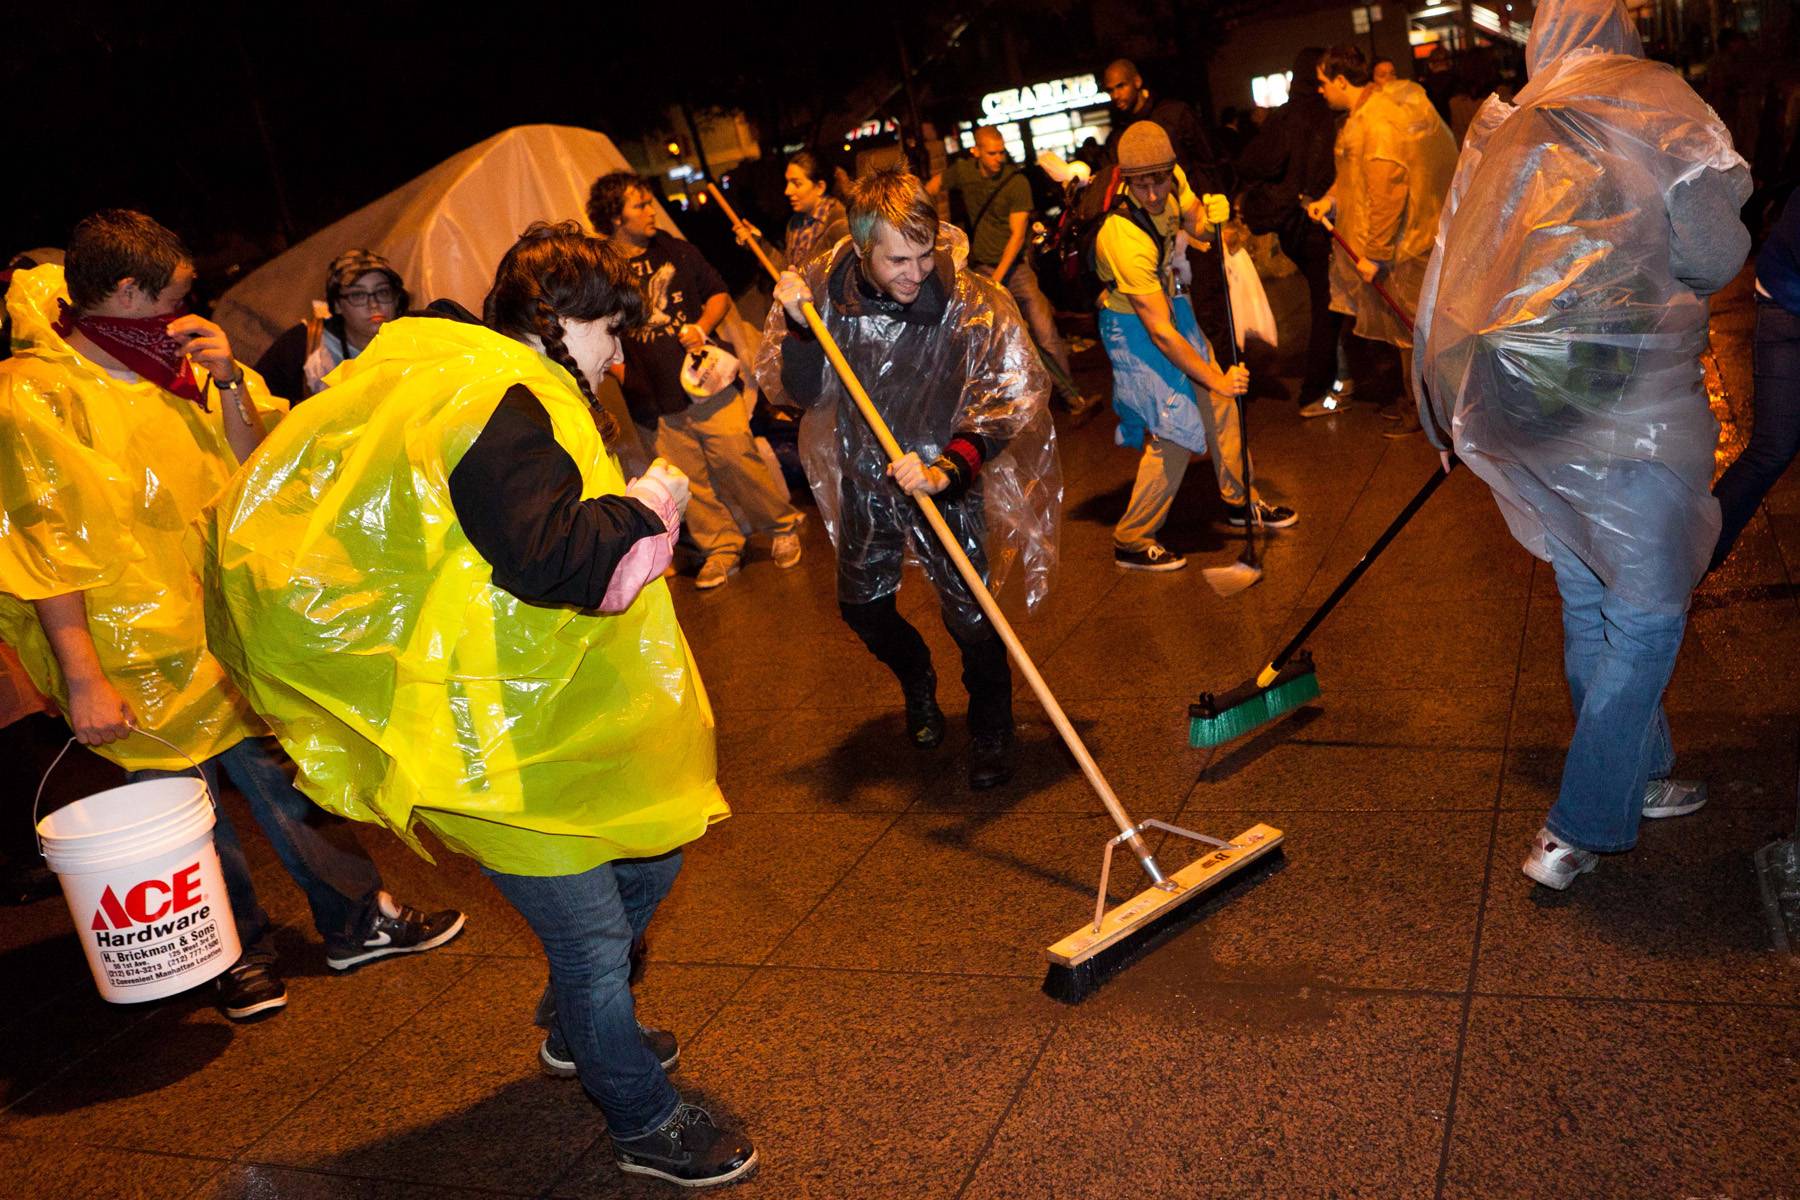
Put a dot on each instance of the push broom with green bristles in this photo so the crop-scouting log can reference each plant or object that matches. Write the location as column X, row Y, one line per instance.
column 1085, row 959
column 1289, row 680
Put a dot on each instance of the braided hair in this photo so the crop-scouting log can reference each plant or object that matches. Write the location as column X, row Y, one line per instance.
column 557, row 273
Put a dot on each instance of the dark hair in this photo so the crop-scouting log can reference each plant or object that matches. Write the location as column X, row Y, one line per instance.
column 606, row 199
column 555, row 273
column 116, row 244
column 1346, row 60
column 808, row 161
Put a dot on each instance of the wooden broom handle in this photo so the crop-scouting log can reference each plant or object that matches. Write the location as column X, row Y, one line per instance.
column 971, row 577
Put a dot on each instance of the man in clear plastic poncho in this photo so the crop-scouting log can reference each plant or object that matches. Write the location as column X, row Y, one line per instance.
column 1562, row 323
column 949, row 364
column 1394, row 158
column 121, row 416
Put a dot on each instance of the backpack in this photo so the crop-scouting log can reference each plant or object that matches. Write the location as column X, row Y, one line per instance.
column 1076, row 233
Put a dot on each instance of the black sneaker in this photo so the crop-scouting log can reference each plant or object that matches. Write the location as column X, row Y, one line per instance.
column 1154, row 557
column 688, row 1150
column 409, row 932
column 555, row 1058
column 924, row 719
column 249, row 988
column 990, row 760
column 1274, row 516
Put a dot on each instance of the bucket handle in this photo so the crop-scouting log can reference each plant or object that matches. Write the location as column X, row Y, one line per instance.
column 38, row 799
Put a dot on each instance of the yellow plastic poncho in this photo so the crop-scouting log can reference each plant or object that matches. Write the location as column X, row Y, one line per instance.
column 353, row 611
column 101, row 481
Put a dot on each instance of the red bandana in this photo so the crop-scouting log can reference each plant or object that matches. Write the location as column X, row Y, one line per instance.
column 142, row 343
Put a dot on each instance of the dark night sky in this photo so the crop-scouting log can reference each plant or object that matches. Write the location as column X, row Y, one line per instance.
column 154, row 106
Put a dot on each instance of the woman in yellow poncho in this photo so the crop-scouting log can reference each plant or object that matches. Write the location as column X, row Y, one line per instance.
column 439, row 590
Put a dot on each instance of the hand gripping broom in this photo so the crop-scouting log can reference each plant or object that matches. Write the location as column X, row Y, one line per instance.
column 1289, row 679
column 1085, row 959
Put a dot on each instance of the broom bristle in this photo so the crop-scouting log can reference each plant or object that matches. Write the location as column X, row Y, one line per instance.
column 1215, row 722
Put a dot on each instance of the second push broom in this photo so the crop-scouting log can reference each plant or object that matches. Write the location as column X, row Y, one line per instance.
column 1081, row 962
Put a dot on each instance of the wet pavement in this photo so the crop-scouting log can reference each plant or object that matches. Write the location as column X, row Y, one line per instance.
column 852, row 961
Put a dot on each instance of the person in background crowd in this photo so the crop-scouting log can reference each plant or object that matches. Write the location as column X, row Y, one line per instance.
column 1775, row 429
column 121, row 417
column 1290, row 158
column 950, row 367
column 707, row 437
column 1560, row 330
column 579, row 760
column 1206, row 174
column 818, row 222
column 998, row 201
column 1159, row 355
column 1382, row 72
column 362, row 293
column 1394, row 159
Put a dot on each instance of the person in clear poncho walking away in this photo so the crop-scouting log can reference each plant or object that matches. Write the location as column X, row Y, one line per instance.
column 949, row 364
column 496, row 658
column 1561, row 325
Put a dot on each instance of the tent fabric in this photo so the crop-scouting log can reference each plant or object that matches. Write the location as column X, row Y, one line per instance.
column 444, row 231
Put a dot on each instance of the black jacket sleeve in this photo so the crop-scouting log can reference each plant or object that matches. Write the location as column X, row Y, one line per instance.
column 283, row 365
column 517, row 495
column 802, row 364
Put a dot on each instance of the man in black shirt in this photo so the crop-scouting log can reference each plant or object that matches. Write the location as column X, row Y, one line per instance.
column 708, row 437
column 1205, row 171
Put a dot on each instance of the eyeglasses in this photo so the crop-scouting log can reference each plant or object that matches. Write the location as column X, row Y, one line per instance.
column 381, row 295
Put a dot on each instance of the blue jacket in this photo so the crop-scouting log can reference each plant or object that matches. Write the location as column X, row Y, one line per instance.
column 1778, row 266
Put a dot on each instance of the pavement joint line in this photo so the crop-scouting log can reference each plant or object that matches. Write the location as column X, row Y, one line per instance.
column 768, row 959
column 987, row 1144
column 457, row 1188
column 350, row 1064
column 1634, row 1001
column 1487, row 880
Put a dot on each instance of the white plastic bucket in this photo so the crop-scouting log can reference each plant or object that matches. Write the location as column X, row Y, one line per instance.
column 143, row 884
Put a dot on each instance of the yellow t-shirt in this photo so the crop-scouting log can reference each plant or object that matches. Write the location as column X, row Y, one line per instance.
column 1129, row 262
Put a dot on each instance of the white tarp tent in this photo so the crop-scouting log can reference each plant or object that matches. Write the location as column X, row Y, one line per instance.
column 444, row 231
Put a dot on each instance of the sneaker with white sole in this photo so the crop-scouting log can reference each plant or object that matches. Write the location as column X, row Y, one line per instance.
column 556, row 1059
column 1554, row 863
column 786, row 550
column 1325, row 406
column 689, row 1150
column 715, row 571
column 1673, row 797
column 395, row 928
column 1154, row 557
column 1274, row 516
column 249, row 988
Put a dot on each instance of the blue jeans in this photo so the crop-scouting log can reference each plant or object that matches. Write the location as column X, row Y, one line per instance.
column 587, row 923
column 341, row 885
column 1618, row 659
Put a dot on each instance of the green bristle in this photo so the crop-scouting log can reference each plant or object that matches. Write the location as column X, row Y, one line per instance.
column 1258, row 709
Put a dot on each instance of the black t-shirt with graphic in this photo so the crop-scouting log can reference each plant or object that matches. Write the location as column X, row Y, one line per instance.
column 677, row 282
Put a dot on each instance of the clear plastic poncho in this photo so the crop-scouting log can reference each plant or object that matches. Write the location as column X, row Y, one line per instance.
column 350, row 606
column 975, row 371
column 1560, row 350
column 1394, row 156
column 101, row 483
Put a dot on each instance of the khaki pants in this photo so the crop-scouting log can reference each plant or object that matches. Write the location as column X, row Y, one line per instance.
column 711, row 444
column 1164, row 464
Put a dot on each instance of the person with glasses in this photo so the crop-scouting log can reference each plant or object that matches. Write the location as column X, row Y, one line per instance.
column 362, row 293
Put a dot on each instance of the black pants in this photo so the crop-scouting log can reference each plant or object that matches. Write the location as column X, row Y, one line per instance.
column 1322, row 333
column 1774, row 429
column 1212, row 303
column 985, row 671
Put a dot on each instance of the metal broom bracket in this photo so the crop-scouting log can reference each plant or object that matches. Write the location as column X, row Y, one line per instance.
column 1156, row 876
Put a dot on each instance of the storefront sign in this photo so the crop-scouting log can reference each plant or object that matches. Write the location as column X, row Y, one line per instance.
column 1040, row 99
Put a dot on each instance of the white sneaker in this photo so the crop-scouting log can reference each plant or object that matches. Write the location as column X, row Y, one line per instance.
column 786, row 549
column 715, row 571
column 1325, row 406
column 1673, row 797
column 1554, row 864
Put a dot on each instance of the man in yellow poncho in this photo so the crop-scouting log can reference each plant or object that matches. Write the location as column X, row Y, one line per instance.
column 119, row 421
column 1394, row 159
column 438, row 588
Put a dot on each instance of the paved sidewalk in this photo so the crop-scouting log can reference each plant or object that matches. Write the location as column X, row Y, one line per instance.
column 852, row 960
